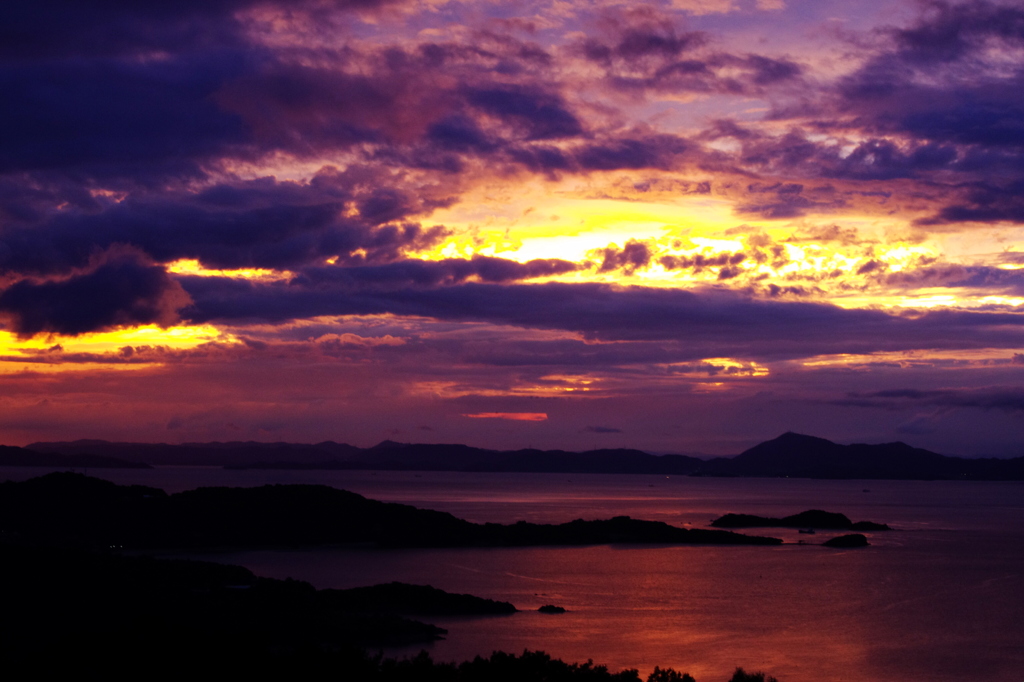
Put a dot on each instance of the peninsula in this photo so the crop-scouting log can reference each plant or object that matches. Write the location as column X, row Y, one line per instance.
column 75, row 510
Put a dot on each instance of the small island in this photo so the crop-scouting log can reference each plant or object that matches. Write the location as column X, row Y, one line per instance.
column 551, row 608
column 846, row 541
column 812, row 518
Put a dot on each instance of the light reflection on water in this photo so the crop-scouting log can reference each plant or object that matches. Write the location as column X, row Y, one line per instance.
column 801, row 613
column 939, row 600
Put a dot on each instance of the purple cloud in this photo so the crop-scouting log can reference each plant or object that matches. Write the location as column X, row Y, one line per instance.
column 711, row 323
column 1006, row 398
column 122, row 291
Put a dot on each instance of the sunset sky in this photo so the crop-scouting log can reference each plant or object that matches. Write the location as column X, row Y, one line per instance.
column 681, row 226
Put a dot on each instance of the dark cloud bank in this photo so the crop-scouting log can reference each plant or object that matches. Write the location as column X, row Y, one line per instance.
column 712, row 323
column 122, row 122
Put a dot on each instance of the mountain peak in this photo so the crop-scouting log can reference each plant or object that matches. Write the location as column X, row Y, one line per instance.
column 788, row 449
column 794, row 437
column 389, row 445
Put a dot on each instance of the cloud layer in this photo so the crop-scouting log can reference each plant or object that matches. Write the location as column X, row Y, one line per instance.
column 586, row 200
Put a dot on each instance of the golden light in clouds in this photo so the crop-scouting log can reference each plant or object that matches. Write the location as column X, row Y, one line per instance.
column 46, row 353
column 550, row 224
column 845, row 264
column 567, row 220
column 1013, row 301
column 722, row 367
column 190, row 266
column 576, row 220
column 511, row 416
column 951, row 360
column 721, row 373
column 550, row 388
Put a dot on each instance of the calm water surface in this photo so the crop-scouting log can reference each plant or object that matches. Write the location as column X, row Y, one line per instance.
column 940, row 599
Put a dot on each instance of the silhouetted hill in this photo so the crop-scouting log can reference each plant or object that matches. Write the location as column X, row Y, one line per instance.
column 82, row 615
column 791, row 454
column 387, row 455
column 560, row 461
column 846, row 541
column 56, row 599
column 203, row 454
column 414, row 600
column 454, row 457
column 75, row 510
column 812, row 518
column 799, row 456
column 23, row 457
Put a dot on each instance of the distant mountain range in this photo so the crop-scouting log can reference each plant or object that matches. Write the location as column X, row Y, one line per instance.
column 12, row 456
column 790, row 455
column 387, row 455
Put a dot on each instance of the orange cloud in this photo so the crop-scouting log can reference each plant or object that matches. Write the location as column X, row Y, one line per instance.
column 514, row 416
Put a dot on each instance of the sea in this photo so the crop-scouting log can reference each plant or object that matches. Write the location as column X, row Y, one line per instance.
column 940, row 598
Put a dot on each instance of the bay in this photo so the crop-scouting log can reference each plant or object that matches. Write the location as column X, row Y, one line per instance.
column 940, row 599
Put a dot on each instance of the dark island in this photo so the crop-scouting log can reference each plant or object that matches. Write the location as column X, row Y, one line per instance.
column 72, row 509
column 74, row 606
column 414, row 600
column 812, row 518
column 551, row 608
column 98, row 592
column 72, row 613
column 844, row 541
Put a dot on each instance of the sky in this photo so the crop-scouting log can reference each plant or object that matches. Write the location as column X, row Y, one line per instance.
column 680, row 226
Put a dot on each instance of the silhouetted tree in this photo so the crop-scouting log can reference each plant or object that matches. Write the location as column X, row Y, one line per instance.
column 742, row 676
column 668, row 675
